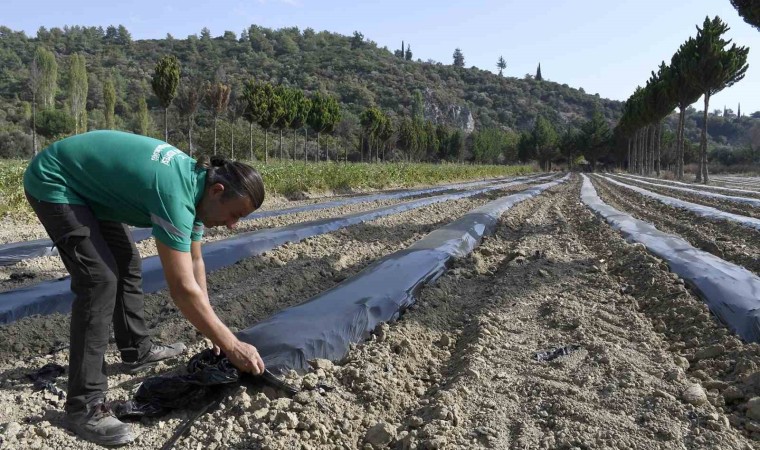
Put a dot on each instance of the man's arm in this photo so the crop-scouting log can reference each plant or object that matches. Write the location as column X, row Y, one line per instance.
column 199, row 267
column 193, row 303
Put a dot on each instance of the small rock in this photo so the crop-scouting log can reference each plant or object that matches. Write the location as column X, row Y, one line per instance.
column 280, row 404
column 715, row 384
column 543, row 273
column 675, row 374
column 415, row 421
column 287, row 420
column 435, row 443
column 380, row 434
column 681, row 362
column 694, row 395
column 752, row 426
column 663, row 394
column 473, row 373
column 733, row 393
column 304, row 397
column 11, row 430
column 310, row 381
column 753, row 408
column 710, row 352
column 260, row 414
column 324, row 364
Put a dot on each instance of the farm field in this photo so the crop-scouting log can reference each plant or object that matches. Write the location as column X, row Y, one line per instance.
column 648, row 365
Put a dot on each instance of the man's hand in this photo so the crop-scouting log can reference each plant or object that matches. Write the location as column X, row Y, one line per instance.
column 246, row 358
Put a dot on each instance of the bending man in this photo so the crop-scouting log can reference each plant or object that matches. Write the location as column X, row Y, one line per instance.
column 85, row 190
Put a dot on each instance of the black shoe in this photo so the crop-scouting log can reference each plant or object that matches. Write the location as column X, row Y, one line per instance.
column 99, row 425
column 155, row 354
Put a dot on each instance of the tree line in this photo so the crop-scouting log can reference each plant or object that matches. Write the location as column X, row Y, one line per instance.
column 702, row 66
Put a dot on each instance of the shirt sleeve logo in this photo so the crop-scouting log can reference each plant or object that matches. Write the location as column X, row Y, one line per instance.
column 168, row 156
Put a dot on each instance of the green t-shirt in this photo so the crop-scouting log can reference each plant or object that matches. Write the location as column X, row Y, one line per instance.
column 125, row 178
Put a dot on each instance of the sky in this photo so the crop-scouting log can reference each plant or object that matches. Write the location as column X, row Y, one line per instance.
column 605, row 47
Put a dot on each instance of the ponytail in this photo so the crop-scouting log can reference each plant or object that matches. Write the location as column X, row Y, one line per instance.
column 238, row 179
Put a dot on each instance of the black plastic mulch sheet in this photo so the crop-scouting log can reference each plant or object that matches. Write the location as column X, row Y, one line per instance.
column 18, row 251
column 731, row 292
column 55, row 296
column 325, row 325
column 701, row 210
column 206, row 374
column 157, row 395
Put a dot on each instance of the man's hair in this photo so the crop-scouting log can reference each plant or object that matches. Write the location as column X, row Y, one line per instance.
column 238, row 179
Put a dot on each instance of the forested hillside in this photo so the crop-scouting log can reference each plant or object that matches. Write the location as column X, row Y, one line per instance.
column 431, row 110
column 353, row 70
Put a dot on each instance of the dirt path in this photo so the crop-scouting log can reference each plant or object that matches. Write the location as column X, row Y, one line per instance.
column 458, row 369
column 723, row 238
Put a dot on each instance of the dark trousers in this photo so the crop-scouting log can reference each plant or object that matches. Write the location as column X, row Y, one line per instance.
column 106, row 280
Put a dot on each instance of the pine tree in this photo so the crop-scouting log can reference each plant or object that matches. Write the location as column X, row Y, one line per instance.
column 714, row 68
column 289, row 110
column 165, row 82
column 749, row 10
column 539, row 77
column 255, row 106
column 302, row 107
column 501, row 64
column 324, row 114
column 458, row 58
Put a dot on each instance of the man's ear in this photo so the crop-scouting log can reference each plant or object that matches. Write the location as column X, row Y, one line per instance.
column 217, row 189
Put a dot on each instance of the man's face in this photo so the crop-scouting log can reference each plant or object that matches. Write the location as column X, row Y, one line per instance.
column 213, row 211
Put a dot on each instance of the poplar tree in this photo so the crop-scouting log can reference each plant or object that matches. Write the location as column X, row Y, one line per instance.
column 216, row 98
column 539, row 77
column 165, row 82
column 143, row 117
column 109, row 98
column 48, row 76
column 35, row 86
column 78, row 91
column 187, row 105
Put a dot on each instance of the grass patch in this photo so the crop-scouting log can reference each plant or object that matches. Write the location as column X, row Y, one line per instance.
column 12, row 199
column 290, row 178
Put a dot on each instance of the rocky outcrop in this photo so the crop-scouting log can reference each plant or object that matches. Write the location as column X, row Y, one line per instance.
column 449, row 114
